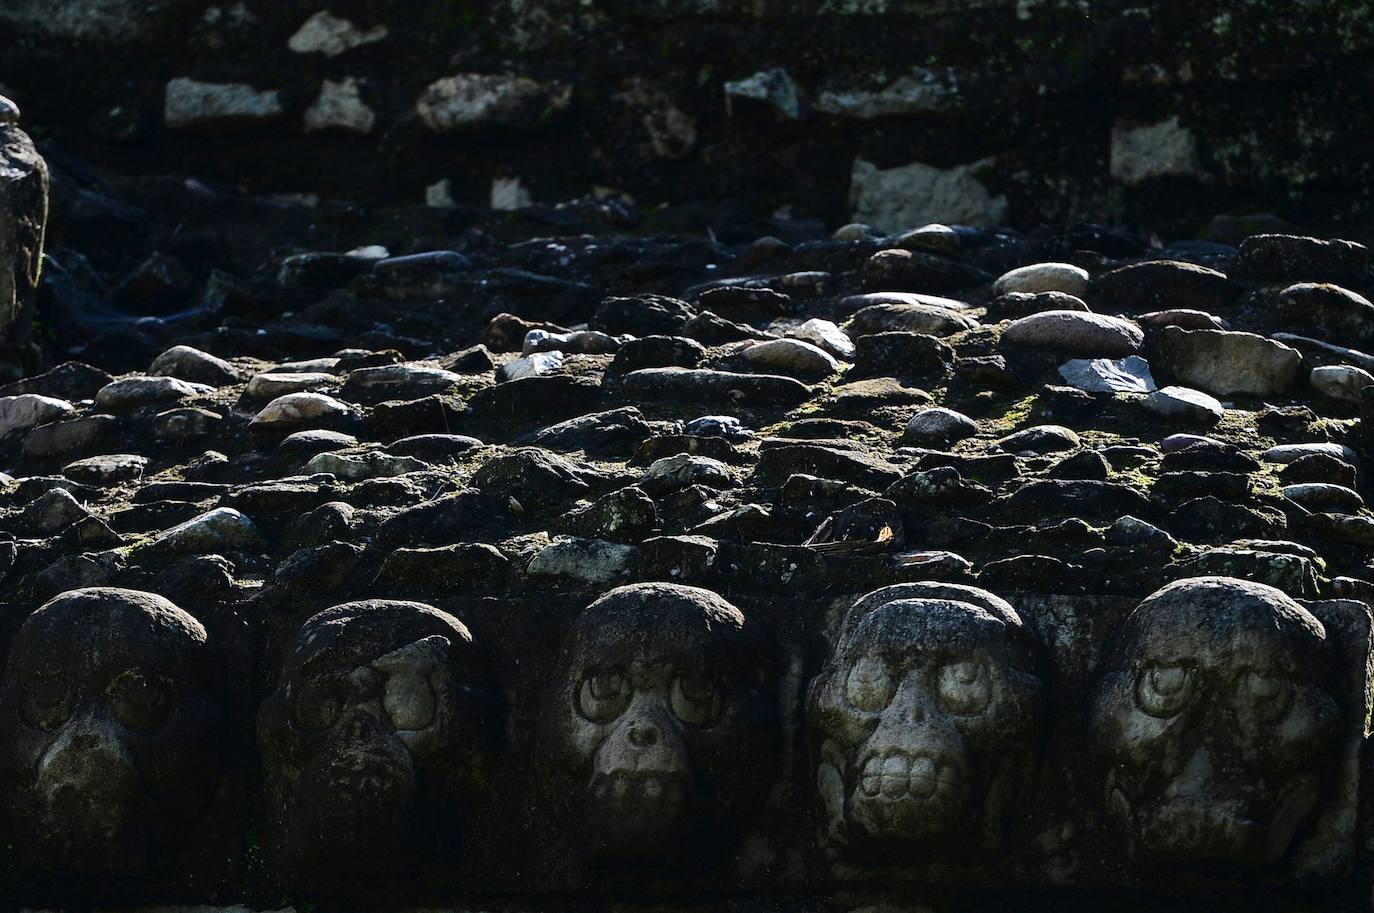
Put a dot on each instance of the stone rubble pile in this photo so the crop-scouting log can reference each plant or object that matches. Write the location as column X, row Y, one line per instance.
column 537, row 559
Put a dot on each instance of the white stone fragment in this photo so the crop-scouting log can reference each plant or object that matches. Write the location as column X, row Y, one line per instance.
column 774, row 87
column 532, row 365
column 470, row 101
column 340, row 106
column 191, row 104
column 509, row 194
column 1155, row 150
column 1108, row 375
column 894, row 199
column 439, row 195
column 327, row 34
column 923, row 89
column 827, row 335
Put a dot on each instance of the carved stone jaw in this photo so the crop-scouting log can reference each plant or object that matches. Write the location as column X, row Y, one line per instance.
column 1226, row 833
column 9, row 111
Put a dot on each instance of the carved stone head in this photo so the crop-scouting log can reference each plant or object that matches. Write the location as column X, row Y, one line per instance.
column 662, row 729
column 1218, row 724
column 111, row 732
column 375, row 741
column 929, row 715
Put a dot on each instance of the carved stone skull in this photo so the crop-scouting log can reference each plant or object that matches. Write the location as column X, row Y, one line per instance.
column 111, row 731
column 662, row 729
column 375, row 741
column 1217, row 722
column 929, row 717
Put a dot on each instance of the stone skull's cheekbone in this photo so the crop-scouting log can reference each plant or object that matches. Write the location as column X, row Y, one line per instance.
column 375, row 742
column 929, row 717
column 112, row 732
column 1215, row 718
column 662, row 730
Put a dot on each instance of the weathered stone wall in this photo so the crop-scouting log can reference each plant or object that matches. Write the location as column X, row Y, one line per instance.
column 895, row 111
column 23, row 222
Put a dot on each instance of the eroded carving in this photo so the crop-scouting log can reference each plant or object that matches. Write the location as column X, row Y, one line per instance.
column 374, row 743
column 929, row 716
column 1218, row 721
column 662, row 730
column 111, row 732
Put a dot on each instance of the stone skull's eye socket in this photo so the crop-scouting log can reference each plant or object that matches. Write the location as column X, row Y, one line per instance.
column 696, row 698
column 1269, row 693
column 317, row 704
column 1164, row 690
column 870, row 686
column 409, row 701
column 965, row 687
column 47, row 702
column 139, row 700
column 604, row 695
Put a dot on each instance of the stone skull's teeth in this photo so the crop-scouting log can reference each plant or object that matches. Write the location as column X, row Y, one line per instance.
column 871, row 778
column 922, row 782
column 895, row 772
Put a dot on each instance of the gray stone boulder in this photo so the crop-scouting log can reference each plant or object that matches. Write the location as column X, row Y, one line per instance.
column 1075, row 333
column 23, row 221
column 1224, row 363
column 28, row 410
column 791, row 357
column 1328, row 311
column 1290, row 258
column 188, row 363
column 938, row 426
column 1343, row 382
column 909, row 318
column 1158, row 284
column 1043, row 277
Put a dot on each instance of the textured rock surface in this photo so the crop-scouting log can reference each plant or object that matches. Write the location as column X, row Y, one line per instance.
column 1222, row 362
column 23, row 221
